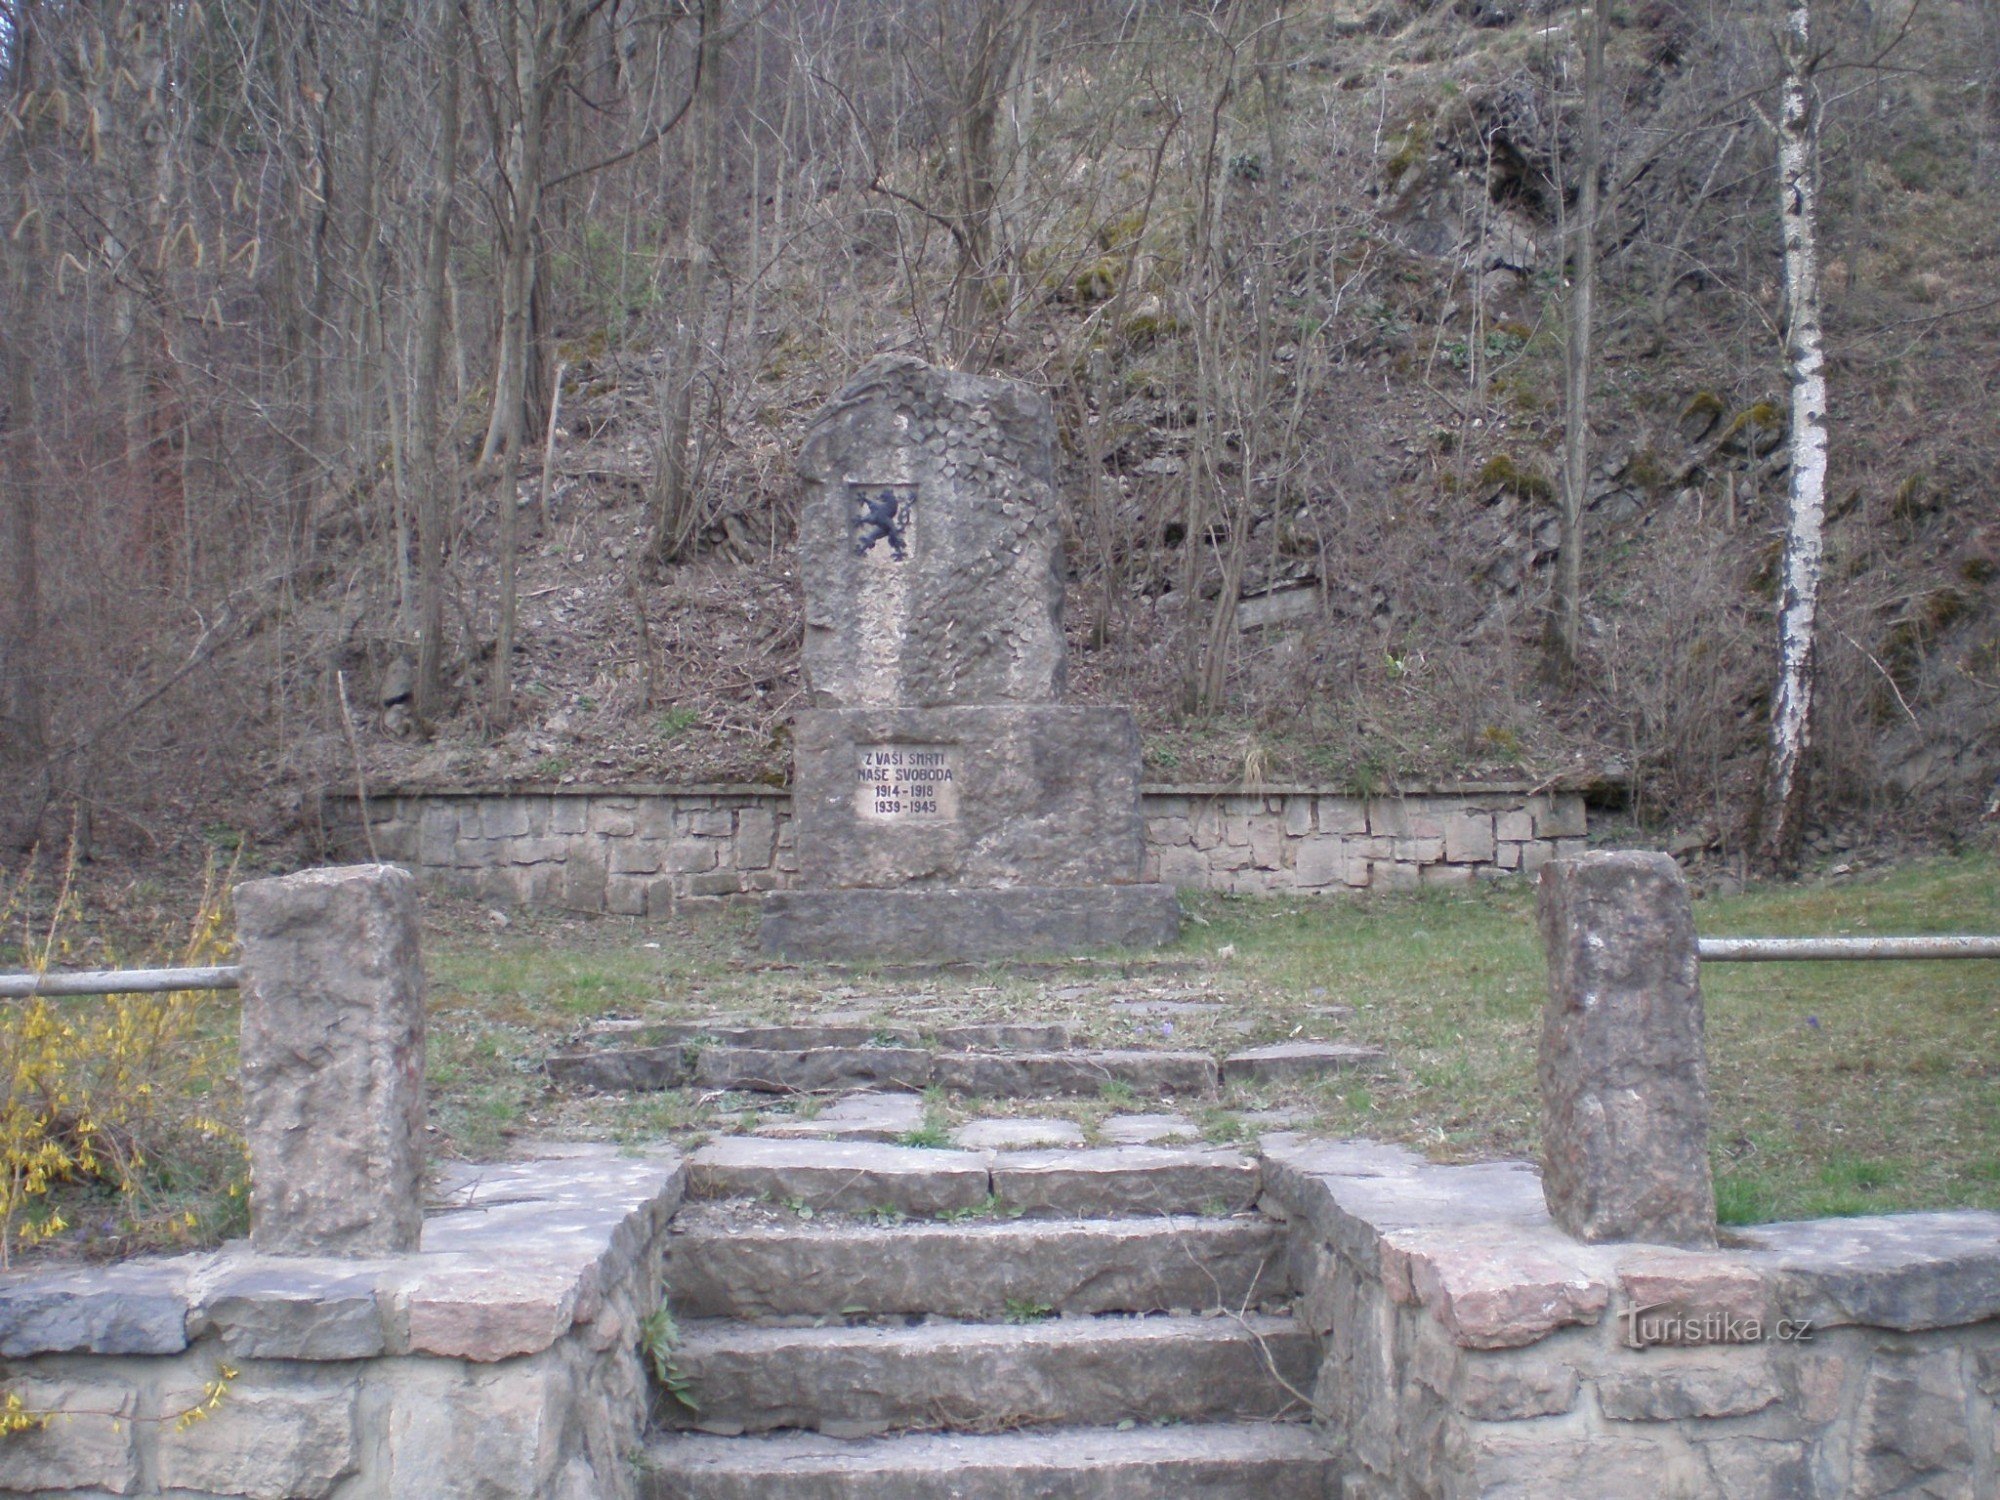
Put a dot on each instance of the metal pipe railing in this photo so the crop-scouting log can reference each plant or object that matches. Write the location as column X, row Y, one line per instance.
column 121, row 982
column 1784, row 950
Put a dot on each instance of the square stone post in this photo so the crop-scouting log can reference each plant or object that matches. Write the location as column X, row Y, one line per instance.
column 333, row 1060
column 1624, row 1060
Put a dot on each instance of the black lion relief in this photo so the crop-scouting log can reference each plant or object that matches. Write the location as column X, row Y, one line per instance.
column 880, row 514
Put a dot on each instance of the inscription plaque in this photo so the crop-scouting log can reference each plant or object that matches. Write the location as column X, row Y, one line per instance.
column 906, row 783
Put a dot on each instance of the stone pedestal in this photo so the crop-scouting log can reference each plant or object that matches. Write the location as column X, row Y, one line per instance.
column 333, row 1060
column 945, row 804
column 1624, row 1061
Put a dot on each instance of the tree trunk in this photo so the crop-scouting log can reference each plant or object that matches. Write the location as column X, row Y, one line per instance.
column 1783, row 815
column 674, row 519
column 433, row 486
column 1567, row 633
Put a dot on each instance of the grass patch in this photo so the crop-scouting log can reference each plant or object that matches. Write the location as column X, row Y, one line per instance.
column 1838, row 1088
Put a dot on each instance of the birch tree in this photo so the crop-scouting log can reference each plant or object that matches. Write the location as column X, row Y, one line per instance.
column 1568, row 623
column 1791, row 706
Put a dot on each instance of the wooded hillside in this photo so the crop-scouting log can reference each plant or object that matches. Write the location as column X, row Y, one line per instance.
column 409, row 390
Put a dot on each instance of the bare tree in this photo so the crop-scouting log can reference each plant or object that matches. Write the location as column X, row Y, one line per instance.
column 1567, row 624
column 1783, row 813
column 434, row 485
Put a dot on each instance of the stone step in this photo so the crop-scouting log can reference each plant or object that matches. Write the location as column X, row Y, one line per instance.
column 858, row 1177
column 1299, row 1062
column 1024, row 1075
column 723, row 1263
column 1215, row 1461
column 854, row 1382
column 825, row 1069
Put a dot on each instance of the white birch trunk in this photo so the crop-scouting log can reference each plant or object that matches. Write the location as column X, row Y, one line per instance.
column 1791, row 707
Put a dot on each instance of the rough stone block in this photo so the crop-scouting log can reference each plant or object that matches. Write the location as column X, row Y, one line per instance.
column 91, row 1448
column 1911, row 1431
column 1342, row 815
column 437, row 842
column 812, row 1070
column 260, row 1445
column 1624, row 1065
column 1686, row 1383
column 1398, row 818
column 625, row 895
column 1321, row 860
column 714, row 823
column 1267, row 843
column 714, row 883
column 1391, row 875
column 1561, row 817
column 1514, row 827
column 636, row 857
column 1903, row 1271
column 139, row 1307
column 503, row 818
column 1468, row 838
column 613, row 821
column 691, row 856
column 1492, row 1289
column 1507, row 856
column 1180, row 866
column 1298, row 816
column 296, row 1310
column 333, row 1060
column 756, row 837
column 569, row 816
column 1448, row 875
column 1419, row 851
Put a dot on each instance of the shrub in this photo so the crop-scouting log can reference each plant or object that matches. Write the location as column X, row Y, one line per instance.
column 118, row 1097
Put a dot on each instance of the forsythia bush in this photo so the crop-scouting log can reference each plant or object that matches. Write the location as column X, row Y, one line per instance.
column 124, row 1093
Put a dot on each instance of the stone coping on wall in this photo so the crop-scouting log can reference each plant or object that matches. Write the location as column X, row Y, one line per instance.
column 513, row 1255
column 1147, row 789
column 1473, row 1348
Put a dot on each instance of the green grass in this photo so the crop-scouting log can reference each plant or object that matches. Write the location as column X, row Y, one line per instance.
column 1838, row 1088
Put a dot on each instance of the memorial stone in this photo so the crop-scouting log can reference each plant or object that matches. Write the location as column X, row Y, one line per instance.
column 947, row 804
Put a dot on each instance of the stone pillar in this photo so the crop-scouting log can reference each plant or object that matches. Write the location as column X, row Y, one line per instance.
column 333, row 1060
column 1624, row 1061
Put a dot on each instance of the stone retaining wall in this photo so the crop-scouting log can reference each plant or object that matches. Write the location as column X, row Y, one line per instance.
column 635, row 851
column 1471, row 1348
column 501, row 1360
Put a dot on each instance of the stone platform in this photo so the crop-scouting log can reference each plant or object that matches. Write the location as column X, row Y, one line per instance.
column 955, row 924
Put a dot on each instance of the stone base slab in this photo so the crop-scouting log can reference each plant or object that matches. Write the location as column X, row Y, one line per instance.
column 1039, row 793
column 947, row 925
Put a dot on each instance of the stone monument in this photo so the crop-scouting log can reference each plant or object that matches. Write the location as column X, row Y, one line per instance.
column 946, row 802
column 1624, row 1054
column 333, row 1060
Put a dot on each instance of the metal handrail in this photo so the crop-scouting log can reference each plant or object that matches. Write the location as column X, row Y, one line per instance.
column 1779, row 950
column 121, row 981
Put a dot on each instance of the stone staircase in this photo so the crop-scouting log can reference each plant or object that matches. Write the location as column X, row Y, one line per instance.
column 996, row 1060
column 860, row 1319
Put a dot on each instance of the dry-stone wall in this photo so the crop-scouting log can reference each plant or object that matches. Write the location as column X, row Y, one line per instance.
column 1472, row 1348
column 501, row 1360
column 637, row 850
